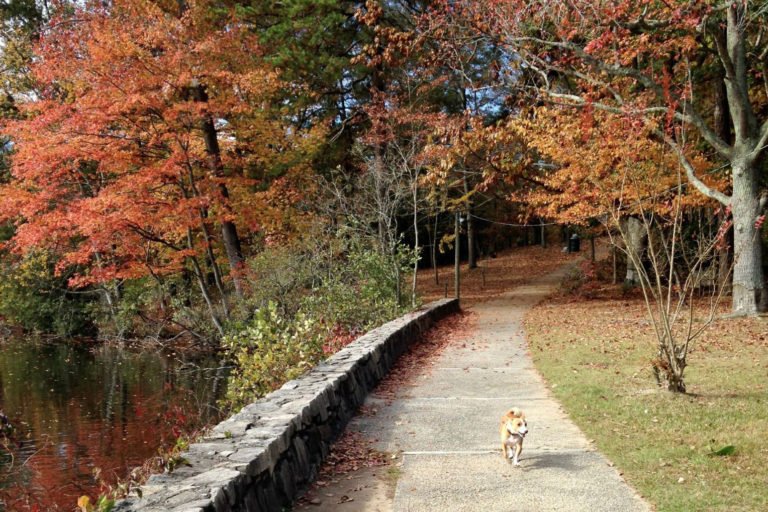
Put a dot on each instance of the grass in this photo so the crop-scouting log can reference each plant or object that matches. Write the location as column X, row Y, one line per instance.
column 392, row 475
column 595, row 355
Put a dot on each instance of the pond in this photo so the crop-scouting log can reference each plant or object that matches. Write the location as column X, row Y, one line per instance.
column 80, row 409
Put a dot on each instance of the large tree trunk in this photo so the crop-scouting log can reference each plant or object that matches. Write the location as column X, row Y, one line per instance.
column 749, row 139
column 748, row 280
column 228, row 228
column 722, row 123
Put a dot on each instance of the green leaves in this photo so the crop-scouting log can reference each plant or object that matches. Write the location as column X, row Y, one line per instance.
column 34, row 297
column 269, row 351
column 103, row 504
column 310, row 41
column 724, row 451
column 311, row 297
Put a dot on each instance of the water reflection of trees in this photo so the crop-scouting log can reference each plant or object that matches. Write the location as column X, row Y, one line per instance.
column 80, row 409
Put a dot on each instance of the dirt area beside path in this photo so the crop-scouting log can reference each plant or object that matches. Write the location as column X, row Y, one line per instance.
column 493, row 276
column 369, row 489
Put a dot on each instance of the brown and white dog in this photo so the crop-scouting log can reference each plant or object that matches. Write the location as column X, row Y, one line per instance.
column 513, row 429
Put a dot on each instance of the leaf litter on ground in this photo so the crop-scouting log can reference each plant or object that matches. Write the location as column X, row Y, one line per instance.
column 353, row 451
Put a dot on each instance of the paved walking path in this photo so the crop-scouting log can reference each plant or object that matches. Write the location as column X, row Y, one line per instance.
column 447, row 429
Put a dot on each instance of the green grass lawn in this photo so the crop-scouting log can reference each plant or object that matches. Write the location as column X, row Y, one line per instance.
column 595, row 355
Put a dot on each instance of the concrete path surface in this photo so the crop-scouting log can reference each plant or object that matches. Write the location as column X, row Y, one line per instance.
column 446, row 428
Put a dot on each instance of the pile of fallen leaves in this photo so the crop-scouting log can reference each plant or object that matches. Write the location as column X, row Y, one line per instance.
column 350, row 453
column 423, row 354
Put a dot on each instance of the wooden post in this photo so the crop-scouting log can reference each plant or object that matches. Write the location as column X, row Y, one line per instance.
column 457, row 260
column 434, row 251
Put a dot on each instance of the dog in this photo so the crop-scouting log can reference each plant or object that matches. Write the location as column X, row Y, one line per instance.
column 512, row 429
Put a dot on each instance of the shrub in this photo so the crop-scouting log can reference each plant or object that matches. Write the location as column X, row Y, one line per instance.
column 269, row 351
column 310, row 298
column 34, row 297
column 360, row 293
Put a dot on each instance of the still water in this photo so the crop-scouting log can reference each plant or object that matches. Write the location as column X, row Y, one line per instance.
column 77, row 408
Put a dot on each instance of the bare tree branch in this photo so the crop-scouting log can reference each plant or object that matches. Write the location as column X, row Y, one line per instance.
column 691, row 173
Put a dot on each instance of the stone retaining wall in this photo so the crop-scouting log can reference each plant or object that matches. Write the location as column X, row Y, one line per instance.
column 263, row 456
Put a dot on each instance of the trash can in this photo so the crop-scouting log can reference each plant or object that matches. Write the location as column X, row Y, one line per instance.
column 574, row 243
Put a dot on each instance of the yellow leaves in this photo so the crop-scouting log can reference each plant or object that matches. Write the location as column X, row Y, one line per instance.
column 84, row 504
column 576, row 166
column 446, row 163
column 103, row 504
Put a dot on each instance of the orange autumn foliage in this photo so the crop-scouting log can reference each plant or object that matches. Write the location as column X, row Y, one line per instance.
column 111, row 170
column 600, row 163
column 573, row 168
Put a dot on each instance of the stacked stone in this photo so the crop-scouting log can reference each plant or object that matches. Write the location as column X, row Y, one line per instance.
column 261, row 458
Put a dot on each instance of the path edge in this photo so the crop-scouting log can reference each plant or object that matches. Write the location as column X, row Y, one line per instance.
column 559, row 275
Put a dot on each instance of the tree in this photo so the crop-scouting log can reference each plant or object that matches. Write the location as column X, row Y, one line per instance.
column 653, row 63
column 314, row 44
column 149, row 122
column 679, row 264
column 584, row 166
column 634, row 185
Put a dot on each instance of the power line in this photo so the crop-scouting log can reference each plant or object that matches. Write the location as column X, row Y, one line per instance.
column 516, row 225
